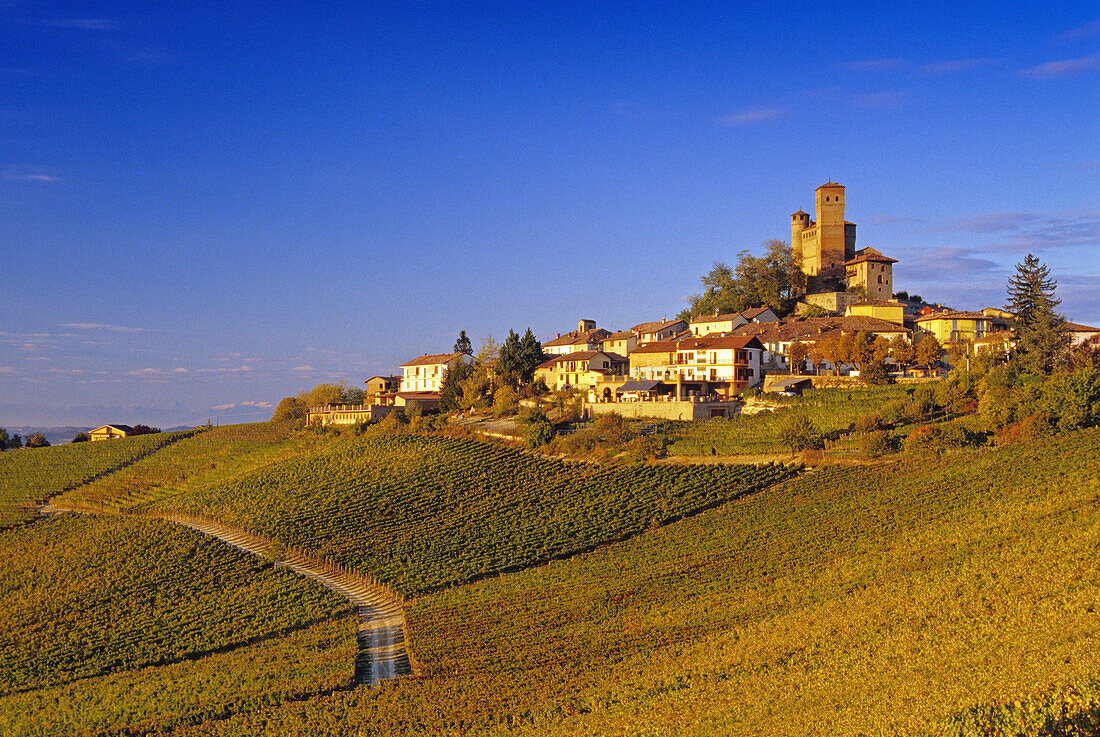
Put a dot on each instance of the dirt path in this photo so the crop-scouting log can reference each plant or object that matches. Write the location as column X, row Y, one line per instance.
column 381, row 619
column 382, row 651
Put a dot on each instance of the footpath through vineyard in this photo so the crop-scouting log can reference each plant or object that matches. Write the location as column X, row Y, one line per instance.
column 381, row 619
column 382, row 652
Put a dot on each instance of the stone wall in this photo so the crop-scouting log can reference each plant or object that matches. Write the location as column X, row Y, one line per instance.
column 664, row 410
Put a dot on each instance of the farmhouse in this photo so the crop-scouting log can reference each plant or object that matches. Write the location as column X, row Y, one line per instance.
column 651, row 332
column 109, row 432
column 582, row 369
column 702, row 325
column 425, row 374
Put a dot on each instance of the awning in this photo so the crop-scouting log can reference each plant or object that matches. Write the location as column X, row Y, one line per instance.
column 637, row 385
column 788, row 383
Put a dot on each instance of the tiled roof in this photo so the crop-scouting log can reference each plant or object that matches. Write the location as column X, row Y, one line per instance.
column 124, row 428
column 433, row 360
column 1075, row 328
column 621, row 335
column 877, row 303
column 582, row 356
column 871, row 257
column 652, row 327
column 953, row 315
column 815, row 328
column 576, row 337
column 706, row 342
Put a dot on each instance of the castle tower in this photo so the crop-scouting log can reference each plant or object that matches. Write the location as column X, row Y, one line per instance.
column 829, row 203
column 800, row 221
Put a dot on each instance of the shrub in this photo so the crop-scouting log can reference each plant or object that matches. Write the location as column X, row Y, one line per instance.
column 798, row 432
column 81, row 437
column 537, row 430
column 893, row 412
column 38, row 440
column 1030, row 428
column 922, row 439
column 874, row 373
column 868, row 423
column 875, row 444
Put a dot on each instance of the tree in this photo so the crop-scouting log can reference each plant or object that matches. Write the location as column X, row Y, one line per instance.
column 769, row 281
column 38, row 440
column 144, row 430
column 796, row 356
column 902, row 351
column 15, row 442
column 520, row 357
column 929, row 350
column 463, row 345
column 4, row 438
column 289, row 409
column 798, row 432
column 863, row 348
column 450, row 389
column 1039, row 331
column 81, row 437
column 531, row 355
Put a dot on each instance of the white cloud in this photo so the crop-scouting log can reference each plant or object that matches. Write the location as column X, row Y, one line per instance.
column 882, row 100
column 101, row 326
column 7, row 370
column 873, row 65
column 754, row 115
column 221, row 407
column 956, row 65
column 303, row 367
column 1062, row 67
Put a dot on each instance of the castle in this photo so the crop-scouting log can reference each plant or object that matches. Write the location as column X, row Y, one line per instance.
column 825, row 250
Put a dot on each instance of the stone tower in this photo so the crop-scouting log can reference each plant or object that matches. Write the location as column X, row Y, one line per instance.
column 822, row 246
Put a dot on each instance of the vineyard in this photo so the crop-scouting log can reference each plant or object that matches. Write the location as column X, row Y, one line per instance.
column 926, row 597
column 85, row 596
column 828, row 409
column 27, row 477
column 209, row 457
column 424, row 512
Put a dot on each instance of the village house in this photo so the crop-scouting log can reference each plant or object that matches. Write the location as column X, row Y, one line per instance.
column 882, row 309
column 1082, row 335
column 587, row 337
column 580, row 370
column 425, row 374
column 951, row 326
column 704, row 325
column 719, row 365
column 346, row 414
column 651, row 332
column 381, row 389
column 872, row 272
column 622, row 342
column 109, row 432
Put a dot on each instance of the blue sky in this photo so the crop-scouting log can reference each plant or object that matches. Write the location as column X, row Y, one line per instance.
column 204, row 210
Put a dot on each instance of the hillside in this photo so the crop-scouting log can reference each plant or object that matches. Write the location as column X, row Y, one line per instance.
column 934, row 594
column 422, row 512
column 887, row 600
column 29, row 476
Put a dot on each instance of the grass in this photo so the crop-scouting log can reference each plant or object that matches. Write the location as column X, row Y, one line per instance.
column 758, row 434
column 422, row 512
column 29, row 476
column 887, row 600
column 83, row 596
column 214, row 456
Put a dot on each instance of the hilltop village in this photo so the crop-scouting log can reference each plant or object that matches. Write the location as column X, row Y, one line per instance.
column 847, row 323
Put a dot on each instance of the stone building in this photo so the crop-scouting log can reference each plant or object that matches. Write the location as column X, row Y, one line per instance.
column 822, row 246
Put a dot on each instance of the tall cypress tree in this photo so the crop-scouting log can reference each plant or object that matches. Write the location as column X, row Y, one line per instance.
column 1039, row 331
